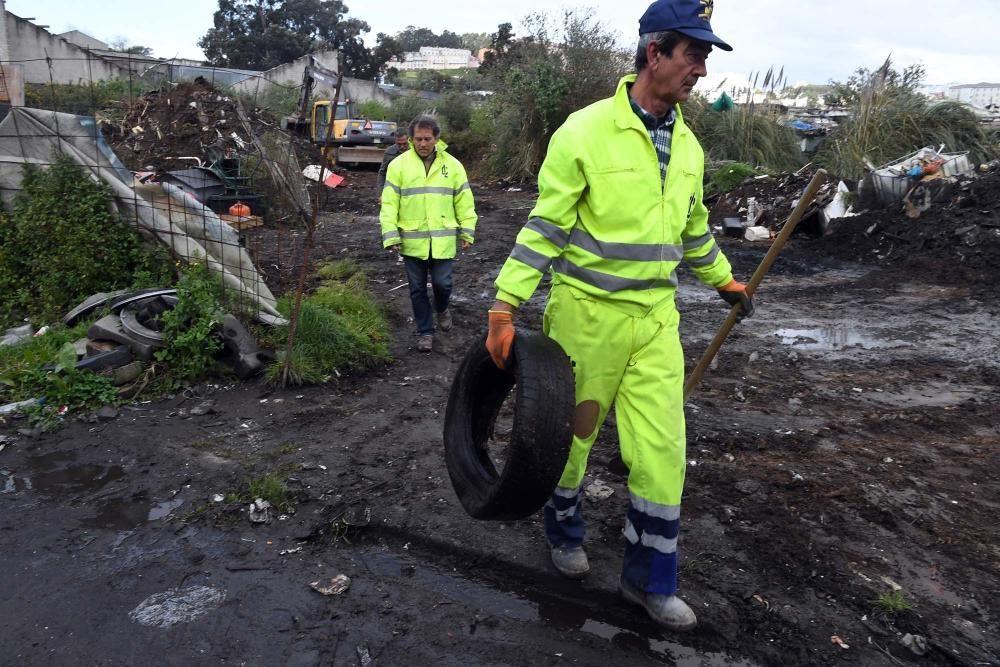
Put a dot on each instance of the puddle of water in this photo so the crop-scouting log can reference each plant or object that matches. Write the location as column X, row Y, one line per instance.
column 567, row 616
column 121, row 513
column 129, row 513
column 75, row 479
column 835, row 337
column 532, row 605
column 52, row 477
column 930, row 394
column 161, row 510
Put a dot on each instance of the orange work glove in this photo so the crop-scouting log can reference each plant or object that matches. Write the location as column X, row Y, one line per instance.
column 501, row 337
column 736, row 293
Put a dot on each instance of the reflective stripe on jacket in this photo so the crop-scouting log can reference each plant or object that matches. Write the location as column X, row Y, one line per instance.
column 606, row 223
column 427, row 211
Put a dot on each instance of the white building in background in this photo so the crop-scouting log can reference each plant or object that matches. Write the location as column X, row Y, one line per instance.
column 435, row 57
column 980, row 95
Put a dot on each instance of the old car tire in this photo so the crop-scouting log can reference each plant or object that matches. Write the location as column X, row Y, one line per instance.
column 542, row 379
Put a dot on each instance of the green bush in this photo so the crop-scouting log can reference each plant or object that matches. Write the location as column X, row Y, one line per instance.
column 372, row 109
column 189, row 327
column 61, row 243
column 727, row 176
column 21, row 365
column 340, row 328
column 541, row 78
column 455, row 111
column 280, row 100
column 406, row 108
column 476, row 141
column 84, row 99
column 43, row 367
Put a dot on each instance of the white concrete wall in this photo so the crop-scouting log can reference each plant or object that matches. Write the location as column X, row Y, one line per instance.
column 29, row 45
column 290, row 74
column 83, row 40
column 977, row 96
column 435, row 57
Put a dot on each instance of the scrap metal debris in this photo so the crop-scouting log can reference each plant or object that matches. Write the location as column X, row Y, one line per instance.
column 950, row 217
column 598, row 490
column 155, row 131
column 260, row 511
column 335, row 586
column 916, row 643
column 162, row 610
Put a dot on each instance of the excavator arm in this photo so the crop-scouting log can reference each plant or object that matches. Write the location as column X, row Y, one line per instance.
column 313, row 72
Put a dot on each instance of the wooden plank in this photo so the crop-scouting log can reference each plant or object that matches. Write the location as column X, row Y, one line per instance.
column 241, row 222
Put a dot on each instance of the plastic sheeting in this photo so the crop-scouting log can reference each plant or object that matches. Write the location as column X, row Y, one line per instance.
column 192, row 231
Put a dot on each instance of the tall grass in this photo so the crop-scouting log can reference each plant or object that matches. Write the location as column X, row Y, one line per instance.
column 85, row 99
column 340, row 328
column 748, row 133
column 751, row 132
column 281, row 100
column 890, row 119
column 372, row 109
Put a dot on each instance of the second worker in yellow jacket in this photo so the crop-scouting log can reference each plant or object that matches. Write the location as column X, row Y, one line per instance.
column 427, row 208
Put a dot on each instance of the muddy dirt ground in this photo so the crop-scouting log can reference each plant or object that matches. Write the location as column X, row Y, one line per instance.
column 845, row 445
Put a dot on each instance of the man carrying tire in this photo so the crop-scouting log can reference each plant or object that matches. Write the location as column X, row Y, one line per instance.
column 427, row 207
column 619, row 207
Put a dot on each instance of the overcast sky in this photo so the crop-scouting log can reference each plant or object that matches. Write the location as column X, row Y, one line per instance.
column 815, row 41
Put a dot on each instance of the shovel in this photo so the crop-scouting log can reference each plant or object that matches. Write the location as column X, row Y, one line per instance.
column 758, row 276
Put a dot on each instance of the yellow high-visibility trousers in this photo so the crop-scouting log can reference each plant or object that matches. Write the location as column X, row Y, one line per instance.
column 633, row 361
column 637, row 364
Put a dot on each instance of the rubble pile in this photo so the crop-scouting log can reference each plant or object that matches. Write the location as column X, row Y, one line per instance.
column 767, row 201
column 955, row 240
column 190, row 120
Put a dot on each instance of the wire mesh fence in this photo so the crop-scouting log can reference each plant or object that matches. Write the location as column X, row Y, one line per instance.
column 196, row 158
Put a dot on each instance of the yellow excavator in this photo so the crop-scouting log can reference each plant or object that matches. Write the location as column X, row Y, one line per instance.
column 352, row 139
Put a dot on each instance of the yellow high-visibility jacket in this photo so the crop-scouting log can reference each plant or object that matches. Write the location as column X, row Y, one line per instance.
column 606, row 223
column 427, row 211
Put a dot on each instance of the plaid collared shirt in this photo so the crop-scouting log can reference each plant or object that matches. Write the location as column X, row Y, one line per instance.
column 661, row 131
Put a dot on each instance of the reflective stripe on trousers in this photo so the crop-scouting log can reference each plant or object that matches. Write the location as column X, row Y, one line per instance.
column 564, row 525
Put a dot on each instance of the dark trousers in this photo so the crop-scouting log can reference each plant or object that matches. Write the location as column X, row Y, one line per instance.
column 416, row 274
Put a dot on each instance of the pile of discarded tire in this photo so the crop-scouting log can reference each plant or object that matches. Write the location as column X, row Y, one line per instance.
column 541, row 377
column 131, row 330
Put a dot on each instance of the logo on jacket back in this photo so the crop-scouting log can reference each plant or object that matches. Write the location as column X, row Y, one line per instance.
column 444, row 170
column 707, row 11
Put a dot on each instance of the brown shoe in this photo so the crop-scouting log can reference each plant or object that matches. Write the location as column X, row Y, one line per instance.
column 425, row 343
column 444, row 320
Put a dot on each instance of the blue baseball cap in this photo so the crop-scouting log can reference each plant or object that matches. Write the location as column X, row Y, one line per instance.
column 688, row 17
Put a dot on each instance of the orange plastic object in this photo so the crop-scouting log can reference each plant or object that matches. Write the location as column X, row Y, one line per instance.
column 240, row 209
column 933, row 167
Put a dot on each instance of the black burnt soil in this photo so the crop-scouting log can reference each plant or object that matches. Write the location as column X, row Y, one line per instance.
column 843, row 446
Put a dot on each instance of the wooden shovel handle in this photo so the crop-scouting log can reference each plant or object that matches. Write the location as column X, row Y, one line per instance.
column 758, row 276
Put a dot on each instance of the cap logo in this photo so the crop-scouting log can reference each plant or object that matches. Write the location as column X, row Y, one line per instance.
column 707, row 9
